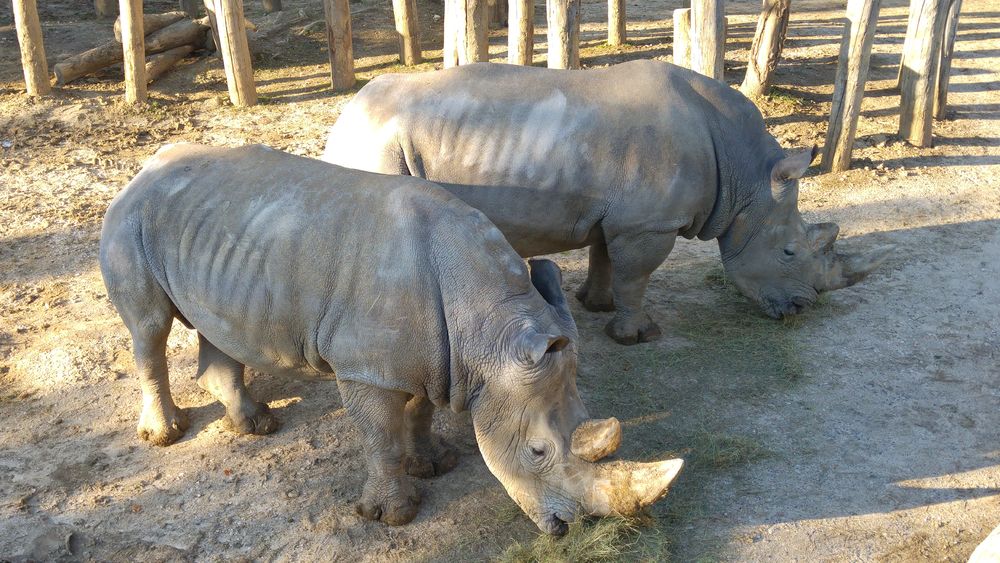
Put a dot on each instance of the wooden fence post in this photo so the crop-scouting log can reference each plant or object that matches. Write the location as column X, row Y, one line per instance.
column 29, row 37
column 271, row 6
column 563, row 33
column 917, row 85
column 106, row 8
column 913, row 14
column 235, row 52
column 616, row 22
column 765, row 51
column 134, row 51
column 521, row 32
column 466, row 32
column 408, row 29
column 682, row 37
column 944, row 67
column 849, row 85
column 189, row 7
column 707, row 29
column 497, row 13
column 338, row 38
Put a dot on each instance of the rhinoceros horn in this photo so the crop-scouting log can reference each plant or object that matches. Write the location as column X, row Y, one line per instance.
column 596, row 439
column 624, row 487
column 849, row 269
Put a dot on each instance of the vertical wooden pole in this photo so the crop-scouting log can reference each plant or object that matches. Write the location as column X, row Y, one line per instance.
column 466, row 27
column 944, row 67
column 408, row 29
column 497, row 13
column 563, row 33
column 765, row 51
column 189, row 7
column 106, row 9
column 682, row 37
column 213, row 22
column 134, row 50
column 338, row 38
column 616, row 22
column 849, row 85
column 918, row 83
column 707, row 28
column 521, row 32
column 29, row 37
column 911, row 28
column 235, row 52
column 271, row 6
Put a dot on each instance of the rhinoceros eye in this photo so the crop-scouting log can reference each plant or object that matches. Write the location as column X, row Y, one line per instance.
column 789, row 252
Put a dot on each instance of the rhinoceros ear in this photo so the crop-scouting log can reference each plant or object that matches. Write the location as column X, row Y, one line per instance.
column 790, row 168
column 536, row 345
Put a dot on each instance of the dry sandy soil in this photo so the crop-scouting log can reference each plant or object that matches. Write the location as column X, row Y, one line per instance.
column 869, row 429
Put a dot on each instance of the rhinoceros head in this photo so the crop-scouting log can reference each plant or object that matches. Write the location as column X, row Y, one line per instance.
column 534, row 432
column 781, row 262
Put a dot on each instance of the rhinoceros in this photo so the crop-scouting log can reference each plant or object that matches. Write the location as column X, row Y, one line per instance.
column 412, row 299
column 621, row 159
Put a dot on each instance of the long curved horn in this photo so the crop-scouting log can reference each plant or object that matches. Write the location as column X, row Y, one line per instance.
column 596, row 439
column 849, row 269
column 625, row 487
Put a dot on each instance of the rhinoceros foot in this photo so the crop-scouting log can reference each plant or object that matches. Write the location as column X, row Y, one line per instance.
column 431, row 462
column 392, row 500
column 255, row 418
column 633, row 329
column 162, row 426
column 598, row 300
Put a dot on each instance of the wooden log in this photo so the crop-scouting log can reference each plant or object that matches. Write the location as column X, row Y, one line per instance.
column 235, row 53
column 29, row 37
column 184, row 32
column 563, row 33
column 913, row 15
column 497, row 10
column 849, row 85
column 189, row 8
column 338, row 36
column 521, row 32
column 944, row 67
column 151, row 23
column 466, row 27
column 765, row 51
column 272, row 6
column 133, row 50
column 918, row 83
column 616, row 22
column 159, row 63
column 707, row 31
column 408, row 30
column 106, row 8
column 682, row 37
column 212, row 23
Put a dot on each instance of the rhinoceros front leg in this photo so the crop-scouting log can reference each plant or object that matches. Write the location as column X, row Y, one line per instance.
column 633, row 258
column 425, row 455
column 595, row 294
column 222, row 376
column 388, row 495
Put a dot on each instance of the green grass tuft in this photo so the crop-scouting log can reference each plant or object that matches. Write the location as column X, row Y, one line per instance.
column 607, row 539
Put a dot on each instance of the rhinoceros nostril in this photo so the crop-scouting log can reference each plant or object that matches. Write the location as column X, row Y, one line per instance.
column 556, row 526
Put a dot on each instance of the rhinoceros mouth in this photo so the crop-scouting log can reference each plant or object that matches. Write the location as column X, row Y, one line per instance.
column 554, row 525
column 779, row 309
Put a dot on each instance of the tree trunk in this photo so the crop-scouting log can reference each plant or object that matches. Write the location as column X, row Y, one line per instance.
column 159, row 63
column 765, row 52
column 849, row 85
column 564, row 33
column 944, row 67
column 466, row 38
column 151, row 23
column 338, row 39
column 29, row 37
column 133, row 51
column 707, row 29
column 616, row 22
column 682, row 37
column 189, row 7
column 408, row 29
column 521, row 33
column 918, row 83
column 106, row 8
column 235, row 53
column 272, row 6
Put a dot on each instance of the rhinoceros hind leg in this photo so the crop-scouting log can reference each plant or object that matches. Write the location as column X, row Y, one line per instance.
column 633, row 258
column 595, row 293
column 388, row 495
column 222, row 376
column 426, row 455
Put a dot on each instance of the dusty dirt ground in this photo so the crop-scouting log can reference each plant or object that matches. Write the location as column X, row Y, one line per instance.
column 869, row 429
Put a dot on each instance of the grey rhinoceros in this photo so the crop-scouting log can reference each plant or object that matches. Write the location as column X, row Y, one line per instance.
column 622, row 159
column 412, row 298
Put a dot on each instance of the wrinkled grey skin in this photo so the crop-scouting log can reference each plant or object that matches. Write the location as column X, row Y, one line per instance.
column 621, row 159
column 412, row 298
